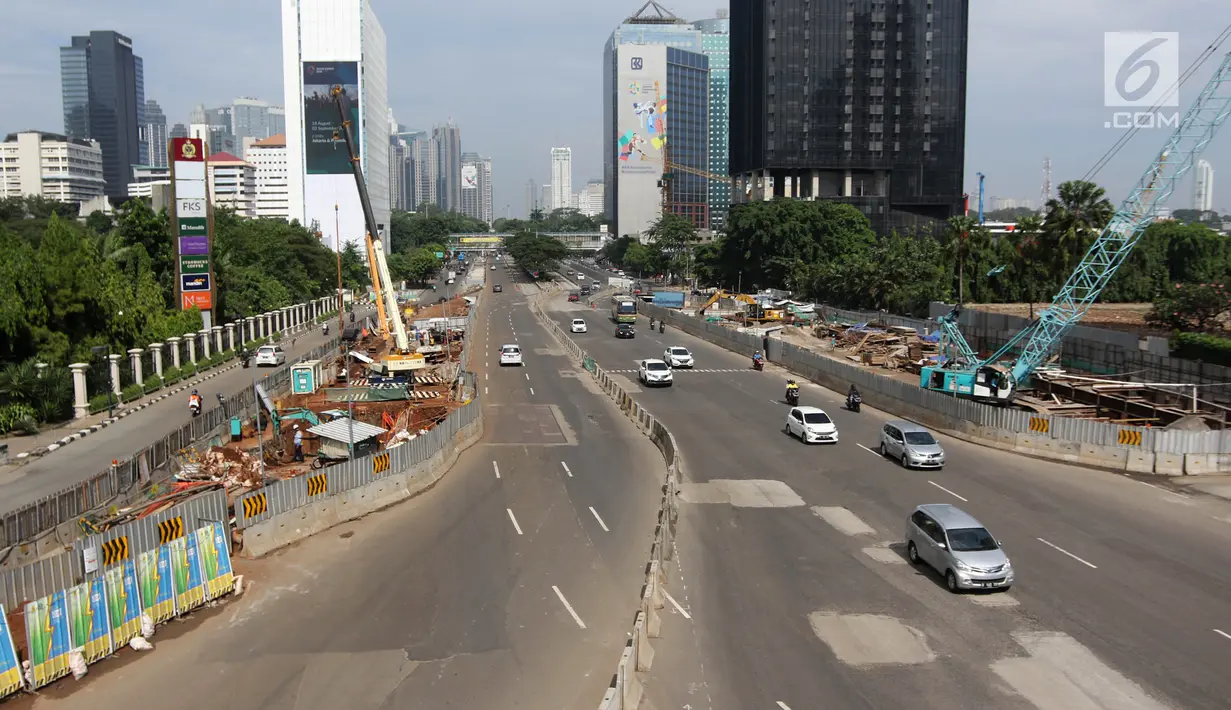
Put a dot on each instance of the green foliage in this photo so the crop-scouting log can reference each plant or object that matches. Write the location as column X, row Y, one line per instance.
column 277, row 337
column 355, row 273
column 536, row 253
column 18, row 417
column 102, row 402
column 1191, row 306
column 410, row 230
column 132, row 393
column 171, row 375
column 153, row 383
column 1209, row 348
column 48, row 394
column 565, row 219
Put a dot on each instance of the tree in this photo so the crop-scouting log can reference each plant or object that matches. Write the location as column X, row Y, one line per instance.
column 355, row 272
column 535, row 253
column 410, row 230
column 673, row 236
column 421, row 264
column 1074, row 218
column 1189, row 307
column 966, row 242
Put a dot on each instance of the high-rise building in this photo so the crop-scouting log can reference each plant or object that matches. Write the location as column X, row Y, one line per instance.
column 103, row 90
column 424, row 170
column 214, row 127
column 716, row 45
column 651, row 61
column 590, row 199
column 179, row 130
column 232, row 184
column 476, row 194
column 545, row 199
column 267, row 156
column 1203, row 187
column 253, row 118
column 52, row 166
column 532, row 197
column 857, row 101
column 561, row 177
column 487, row 210
column 328, row 43
column 447, row 140
column 154, row 134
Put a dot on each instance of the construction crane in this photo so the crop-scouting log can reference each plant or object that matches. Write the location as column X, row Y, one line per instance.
column 402, row 358
column 964, row 374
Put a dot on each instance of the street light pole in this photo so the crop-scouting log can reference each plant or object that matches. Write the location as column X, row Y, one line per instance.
column 350, row 414
column 337, row 243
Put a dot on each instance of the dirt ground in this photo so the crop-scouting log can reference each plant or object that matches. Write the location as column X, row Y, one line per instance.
column 1116, row 316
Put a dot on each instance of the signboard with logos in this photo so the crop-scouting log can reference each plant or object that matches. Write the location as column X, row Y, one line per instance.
column 193, row 220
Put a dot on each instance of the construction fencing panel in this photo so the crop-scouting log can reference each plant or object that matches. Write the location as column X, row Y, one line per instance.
column 39, row 579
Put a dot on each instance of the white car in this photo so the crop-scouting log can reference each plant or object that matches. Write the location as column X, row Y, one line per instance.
column 510, row 355
column 654, row 372
column 812, row 425
column 270, row 356
column 578, row 326
column 676, row 356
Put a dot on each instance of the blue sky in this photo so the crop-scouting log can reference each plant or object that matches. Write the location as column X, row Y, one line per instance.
column 520, row 77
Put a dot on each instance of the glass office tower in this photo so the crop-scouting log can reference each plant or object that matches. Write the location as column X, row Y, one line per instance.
column 716, row 45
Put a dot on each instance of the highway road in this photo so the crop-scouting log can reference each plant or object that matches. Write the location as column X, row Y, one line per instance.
column 26, row 483
column 512, row 584
column 793, row 592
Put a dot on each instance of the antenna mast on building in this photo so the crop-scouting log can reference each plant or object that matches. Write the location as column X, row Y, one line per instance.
column 1046, row 194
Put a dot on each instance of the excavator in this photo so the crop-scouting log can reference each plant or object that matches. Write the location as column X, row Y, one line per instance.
column 401, row 357
column 756, row 312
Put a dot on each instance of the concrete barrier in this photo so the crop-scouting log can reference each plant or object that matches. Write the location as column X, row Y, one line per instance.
column 306, row 521
column 1139, row 461
column 1110, row 457
column 1197, row 464
column 1168, row 464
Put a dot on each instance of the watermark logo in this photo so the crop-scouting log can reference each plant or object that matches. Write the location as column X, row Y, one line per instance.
column 1140, row 73
column 636, row 63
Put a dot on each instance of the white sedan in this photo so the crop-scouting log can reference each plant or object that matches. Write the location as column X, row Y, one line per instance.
column 578, row 326
column 676, row 356
column 510, row 355
column 812, row 425
column 654, row 372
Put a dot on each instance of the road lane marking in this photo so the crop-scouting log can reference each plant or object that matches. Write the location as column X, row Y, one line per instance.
column 676, row 604
column 874, row 452
column 1164, row 490
column 1222, row 633
column 1060, row 549
column 514, row 519
column 531, row 390
column 527, row 375
column 568, row 606
column 946, row 490
column 601, row 524
column 484, row 390
column 496, row 468
column 566, row 469
column 783, row 705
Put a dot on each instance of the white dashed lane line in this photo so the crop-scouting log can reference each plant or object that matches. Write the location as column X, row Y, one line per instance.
column 496, row 468
column 874, row 452
column 1066, row 552
column 946, row 490
column 513, row 519
column 566, row 469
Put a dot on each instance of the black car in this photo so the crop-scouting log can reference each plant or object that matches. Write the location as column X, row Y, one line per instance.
column 625, row 330
column 497, row 289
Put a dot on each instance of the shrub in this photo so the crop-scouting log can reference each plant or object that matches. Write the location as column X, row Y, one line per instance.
column 102, row 402
column 171, row 375
column 278, row 337
column 1202, row 346
column 1190, row 306
column 49, row 393
column 131, row 393
column 18, row 417
column 153, row 383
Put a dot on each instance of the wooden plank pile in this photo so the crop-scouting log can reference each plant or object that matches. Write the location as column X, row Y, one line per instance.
column 878, row 345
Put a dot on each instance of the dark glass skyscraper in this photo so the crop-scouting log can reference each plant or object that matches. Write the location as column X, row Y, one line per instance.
column 103, row 90
column 861, row 101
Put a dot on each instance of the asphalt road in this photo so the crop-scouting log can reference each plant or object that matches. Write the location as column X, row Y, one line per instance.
column 26, row 483
column 1121, row 599
column 512, row 584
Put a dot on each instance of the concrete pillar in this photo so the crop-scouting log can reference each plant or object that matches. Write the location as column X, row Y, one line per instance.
column 816, row 184
column 174, row 343
column 134, row 357
column 848, row 184
column 81, row 399
column 205, row 343
column 191, row 340
column 231, row 336
column 156, row 348
column 264, row 322
column 218, row 338
column 115, row 373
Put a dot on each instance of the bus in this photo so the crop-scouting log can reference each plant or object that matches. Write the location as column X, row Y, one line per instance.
column 624, row 311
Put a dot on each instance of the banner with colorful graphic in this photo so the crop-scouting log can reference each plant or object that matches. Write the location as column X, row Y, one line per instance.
column 186, row 571
column 47, row 639
column 10, row 669
column 123, row 602
column 89, row 626
column 157, row 592
column 215, row 560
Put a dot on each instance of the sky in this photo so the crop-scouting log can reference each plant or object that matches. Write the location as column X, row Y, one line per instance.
column 521, row 77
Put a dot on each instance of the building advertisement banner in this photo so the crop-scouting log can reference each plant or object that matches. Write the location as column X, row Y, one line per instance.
column 641, row 135
column 470, row 177
column 323, row 154
column 194, row 246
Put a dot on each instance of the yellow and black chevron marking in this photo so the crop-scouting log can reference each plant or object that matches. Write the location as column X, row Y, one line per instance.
column 1040, row 425
column 317, row 484
column 1130, row 438
column 115, row 550
column 380, row 463
column 169, row 530
column 255, row 505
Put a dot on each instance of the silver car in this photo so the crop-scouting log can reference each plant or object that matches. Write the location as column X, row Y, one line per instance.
column 953, row 543
column 911, row 444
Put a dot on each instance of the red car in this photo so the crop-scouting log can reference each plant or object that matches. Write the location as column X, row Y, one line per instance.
column 574, row 297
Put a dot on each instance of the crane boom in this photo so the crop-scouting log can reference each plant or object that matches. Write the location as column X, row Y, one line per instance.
column 400, row 338
column 380, row 301
column 987, row 379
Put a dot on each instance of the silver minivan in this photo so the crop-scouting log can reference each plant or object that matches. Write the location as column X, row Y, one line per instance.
column 911, row 444
column 953, row 543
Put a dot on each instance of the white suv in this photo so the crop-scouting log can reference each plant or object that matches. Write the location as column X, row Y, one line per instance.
column 270, row 356
column 510, row 355
column 676, row 356
column 578, row 326
column 654, row 372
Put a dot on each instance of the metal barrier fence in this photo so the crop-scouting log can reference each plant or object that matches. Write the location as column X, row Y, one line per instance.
column 940, row 407
column 29, row 521
column 280, row 497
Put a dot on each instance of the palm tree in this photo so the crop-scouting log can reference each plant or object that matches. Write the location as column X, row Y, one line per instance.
column 537, row 215
column 1074, row 218
column 1026, row 236
column 965, row 240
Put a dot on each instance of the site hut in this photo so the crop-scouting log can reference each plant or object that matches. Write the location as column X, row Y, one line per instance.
column 338, row 435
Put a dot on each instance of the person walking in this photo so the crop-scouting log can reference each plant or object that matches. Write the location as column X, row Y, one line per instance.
column 298, row 443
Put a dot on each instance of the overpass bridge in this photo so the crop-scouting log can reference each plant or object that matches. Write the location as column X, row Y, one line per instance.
column 492, row 241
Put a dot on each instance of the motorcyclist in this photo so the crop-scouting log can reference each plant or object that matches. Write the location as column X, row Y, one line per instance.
column 194, row 400
column 651, row 322
column 662, row 326
column 757, row 360
column 325, row 328
column 852, row 398
column 792, row 389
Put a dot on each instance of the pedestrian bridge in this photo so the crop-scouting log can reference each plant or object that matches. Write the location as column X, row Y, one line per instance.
column 492, row 241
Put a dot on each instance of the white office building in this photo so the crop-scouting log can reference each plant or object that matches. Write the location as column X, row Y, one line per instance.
column 1203, row 188
column 232, row 184
column 51, row 165
column 561, row 178
column 590, row 199
column 268, row 159
column 327, row 43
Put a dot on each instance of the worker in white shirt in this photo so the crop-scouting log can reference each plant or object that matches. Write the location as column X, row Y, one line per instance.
column 298, row 443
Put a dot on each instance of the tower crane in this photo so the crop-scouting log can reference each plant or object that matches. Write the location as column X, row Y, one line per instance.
column 964, row 374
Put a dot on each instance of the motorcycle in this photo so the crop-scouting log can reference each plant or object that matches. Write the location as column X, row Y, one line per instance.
column 792, row 397
column 853, row 401
column 195, row 408
column 662, row 326
column 758, row 364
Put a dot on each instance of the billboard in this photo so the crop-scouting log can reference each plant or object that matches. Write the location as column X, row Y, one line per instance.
column 641, row 134
column 470, row 177
column 323, row 155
